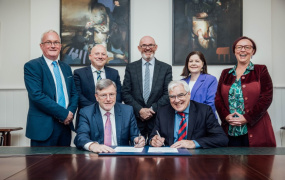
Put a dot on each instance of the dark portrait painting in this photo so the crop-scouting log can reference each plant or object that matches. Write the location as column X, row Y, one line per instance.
column 86, row 23
column 209, row 26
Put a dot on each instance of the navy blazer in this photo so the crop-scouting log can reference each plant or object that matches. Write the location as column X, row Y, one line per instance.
column 204, row 90
column 43, row 108
column 91, row 127
column 203, row 127
column 85, row 86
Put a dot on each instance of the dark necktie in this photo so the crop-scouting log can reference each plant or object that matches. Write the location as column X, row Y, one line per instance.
column 182, row 127
column 99, row 75
column 59, row 87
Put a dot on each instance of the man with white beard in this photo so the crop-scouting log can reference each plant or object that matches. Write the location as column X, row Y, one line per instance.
column 145, row 85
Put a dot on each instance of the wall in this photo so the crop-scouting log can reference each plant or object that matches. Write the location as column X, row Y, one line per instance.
column 23, row 21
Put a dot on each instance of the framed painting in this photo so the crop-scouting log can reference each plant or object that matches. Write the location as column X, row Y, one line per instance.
column 209, row 26
column 86, row 23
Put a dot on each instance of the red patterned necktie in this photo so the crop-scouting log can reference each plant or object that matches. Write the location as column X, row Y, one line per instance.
column 182, row 127
column 108, row 131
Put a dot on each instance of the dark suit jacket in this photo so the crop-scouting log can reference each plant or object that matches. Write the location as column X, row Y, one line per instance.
column 204, row 89
column 132, row 90
column 203, row 127
column 85, row 86
column 91, row 127
column 43, row 108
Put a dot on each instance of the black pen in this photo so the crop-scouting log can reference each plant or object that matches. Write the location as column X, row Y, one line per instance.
column 159, row 136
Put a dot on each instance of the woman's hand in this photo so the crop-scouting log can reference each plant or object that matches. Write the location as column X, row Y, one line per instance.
column 236, row 119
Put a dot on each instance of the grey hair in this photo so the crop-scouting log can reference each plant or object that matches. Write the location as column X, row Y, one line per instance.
column 175, row 83
column 104, row 83
column 49, row 31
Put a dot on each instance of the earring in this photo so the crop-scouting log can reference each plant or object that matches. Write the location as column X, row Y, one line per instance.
column 202, row 69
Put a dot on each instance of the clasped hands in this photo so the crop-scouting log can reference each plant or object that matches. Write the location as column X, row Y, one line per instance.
column 146, row 114
column 158, row 141
column 68, row 119
column 236, row 119
column 99, row 148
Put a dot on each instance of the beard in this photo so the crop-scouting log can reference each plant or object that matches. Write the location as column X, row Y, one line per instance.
column 144, row 56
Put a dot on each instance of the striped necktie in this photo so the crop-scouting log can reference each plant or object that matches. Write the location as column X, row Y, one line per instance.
column 59, row 87
column 182, row 127
column 146, row 87
column 99, row 75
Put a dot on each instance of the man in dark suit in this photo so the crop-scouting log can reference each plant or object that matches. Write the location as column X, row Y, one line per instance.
column 186, row 123
column 145, row 85
column 107, row 123
column 52, row 96
column 86, row 78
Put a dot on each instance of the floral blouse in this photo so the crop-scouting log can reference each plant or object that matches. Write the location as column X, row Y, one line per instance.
column 236, row 101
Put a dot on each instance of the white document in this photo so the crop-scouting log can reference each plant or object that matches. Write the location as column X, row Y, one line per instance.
column 128, row 149
column 162, row 149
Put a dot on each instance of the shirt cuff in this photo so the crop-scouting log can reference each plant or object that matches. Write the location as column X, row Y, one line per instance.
column 86, row 146
column 197, row 145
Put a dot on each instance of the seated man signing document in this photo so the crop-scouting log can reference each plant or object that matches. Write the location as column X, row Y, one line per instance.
column 107, row 123
column 185, row 123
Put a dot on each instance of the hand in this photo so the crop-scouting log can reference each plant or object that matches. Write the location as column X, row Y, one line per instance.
column 157, row 141
column 237, row 119
column 139, row 142
column 69, row 118
column 146, row 113
column 99, row 148
column 184, row 144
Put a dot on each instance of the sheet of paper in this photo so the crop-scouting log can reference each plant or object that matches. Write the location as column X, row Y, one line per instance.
column 128, row 149
column 162, row 149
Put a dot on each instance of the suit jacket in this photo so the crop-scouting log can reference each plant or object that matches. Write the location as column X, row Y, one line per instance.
column 204, row 89
column 257, row 91
column 132, row 90
column 203, row 127
column 85, row 86
column 43, row 108
column 91, row 127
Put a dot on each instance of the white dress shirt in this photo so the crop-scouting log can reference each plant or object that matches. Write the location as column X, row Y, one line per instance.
column 191, row 85
column 113, row 124
column 103, row 73
column 151, row 69
column 50, row 65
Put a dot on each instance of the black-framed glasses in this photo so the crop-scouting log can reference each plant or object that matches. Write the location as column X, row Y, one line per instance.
column 179, row 96
column 49, row 43
column 147, row 45
column 246, row 47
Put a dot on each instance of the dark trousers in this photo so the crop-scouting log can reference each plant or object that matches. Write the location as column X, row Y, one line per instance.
column 61, row 136
column 238, row 141
column 146, row 127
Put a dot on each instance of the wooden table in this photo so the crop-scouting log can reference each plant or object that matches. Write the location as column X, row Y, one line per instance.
column 6, row 135
column 69, row 163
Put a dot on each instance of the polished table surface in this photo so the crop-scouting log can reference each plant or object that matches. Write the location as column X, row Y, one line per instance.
column 71, row 163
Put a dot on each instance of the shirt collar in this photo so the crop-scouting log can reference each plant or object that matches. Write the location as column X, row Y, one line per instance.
column 49, row 61
column 150, row 62
column 93, row 69
column 103, row 112
column 250, row 67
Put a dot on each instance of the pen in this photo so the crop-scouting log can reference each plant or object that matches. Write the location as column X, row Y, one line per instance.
column 159, row 136
column 138, row 140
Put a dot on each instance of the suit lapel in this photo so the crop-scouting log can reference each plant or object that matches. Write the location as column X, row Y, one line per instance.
column 119, row 123
column 90, row 79
column 65, row 75
column 192, row 118
column 197, row 85
column 170, row 126
column 139, row 75
column 49, row 76
column 155, row 76
column 98, row 121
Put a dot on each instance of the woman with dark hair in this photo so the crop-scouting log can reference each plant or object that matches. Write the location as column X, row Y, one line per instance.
column 244, row 94
column 203, row 86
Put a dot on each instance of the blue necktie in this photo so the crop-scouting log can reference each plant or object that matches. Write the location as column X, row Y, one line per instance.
column 146, row 89
column 99, row 75
column 60, row 94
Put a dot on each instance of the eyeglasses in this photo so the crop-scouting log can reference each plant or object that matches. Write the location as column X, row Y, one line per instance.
column 147, row 45
column 246, row 47
column 104, row 96
column 179, row 96
column 49, row 43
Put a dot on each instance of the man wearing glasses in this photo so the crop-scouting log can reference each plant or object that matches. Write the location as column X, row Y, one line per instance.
column 52, row 95
column 185, row 123
column 145, row 85
column 107, row 123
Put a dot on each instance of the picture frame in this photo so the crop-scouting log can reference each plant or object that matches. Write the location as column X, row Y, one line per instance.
column 86, row 23
column 209, row 26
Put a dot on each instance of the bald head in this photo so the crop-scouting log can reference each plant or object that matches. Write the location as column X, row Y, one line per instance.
column 147, row 47
column 98, row 56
